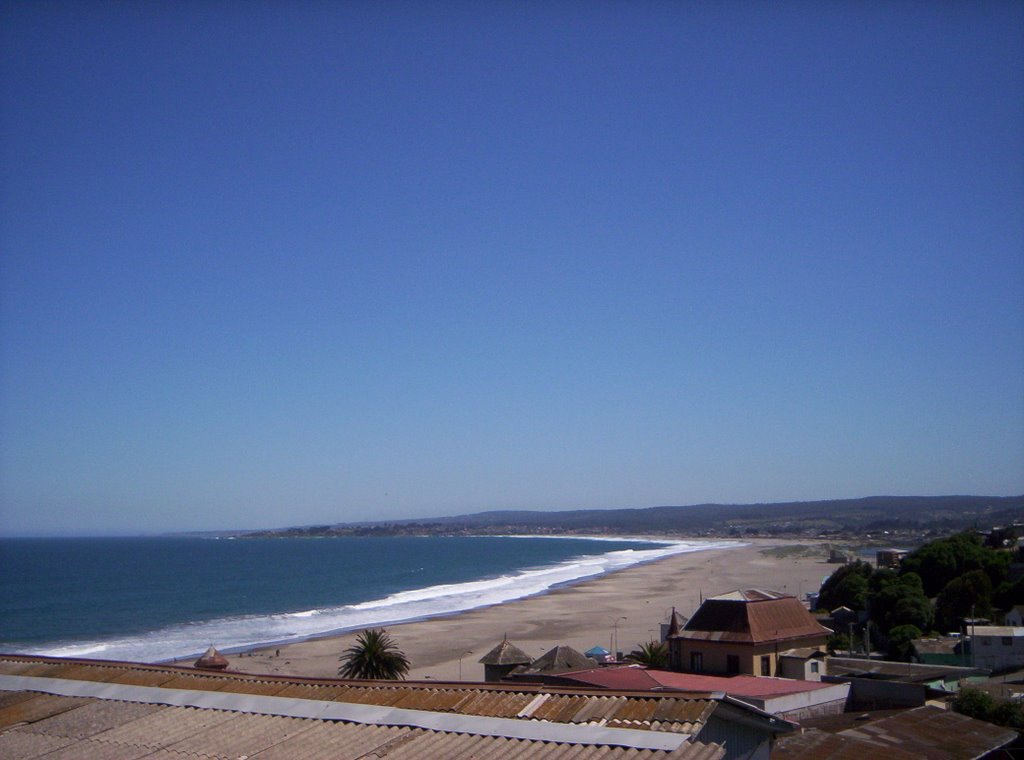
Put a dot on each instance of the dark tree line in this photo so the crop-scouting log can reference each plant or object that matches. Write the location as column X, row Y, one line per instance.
column 964, row 576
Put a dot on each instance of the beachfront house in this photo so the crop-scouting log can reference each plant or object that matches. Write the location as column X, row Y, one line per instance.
column 744, row 632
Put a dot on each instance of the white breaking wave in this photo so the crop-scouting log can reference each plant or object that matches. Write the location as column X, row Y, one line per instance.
column 244, row 632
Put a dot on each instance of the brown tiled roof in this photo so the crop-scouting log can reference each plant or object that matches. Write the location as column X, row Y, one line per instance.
column 506, row 653
column 216, row 713
column 752, row 617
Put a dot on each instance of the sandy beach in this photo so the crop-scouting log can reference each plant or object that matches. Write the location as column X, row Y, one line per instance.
column 638, row 599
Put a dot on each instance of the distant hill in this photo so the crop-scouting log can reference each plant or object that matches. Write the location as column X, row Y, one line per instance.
column 919, row 515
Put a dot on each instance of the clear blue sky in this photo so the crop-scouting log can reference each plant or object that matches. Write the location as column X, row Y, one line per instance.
column 268, row 264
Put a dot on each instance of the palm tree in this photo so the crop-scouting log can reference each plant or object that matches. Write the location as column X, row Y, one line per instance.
column 653, row 654
column 374, row 655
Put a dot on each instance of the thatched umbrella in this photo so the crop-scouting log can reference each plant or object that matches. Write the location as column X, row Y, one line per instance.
column 212, row 660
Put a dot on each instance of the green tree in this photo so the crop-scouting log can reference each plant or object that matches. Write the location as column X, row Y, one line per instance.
column 939, row 562
column 974, row 703
column 1008, row 594
column 901, row 642
column 839, row 642
column 1010, row 714
column 900, row 600
column 846, row 587
column 374, row 655
column 970, row 593
column 653, row 654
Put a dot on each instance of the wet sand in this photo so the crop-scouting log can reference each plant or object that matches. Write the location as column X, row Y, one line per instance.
column 630, row 603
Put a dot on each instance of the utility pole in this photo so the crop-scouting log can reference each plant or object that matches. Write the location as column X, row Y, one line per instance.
column 615, row 635
column 974, row 651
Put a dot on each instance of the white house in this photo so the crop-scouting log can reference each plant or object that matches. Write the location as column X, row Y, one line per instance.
column 997, row 647
column 1015, row 616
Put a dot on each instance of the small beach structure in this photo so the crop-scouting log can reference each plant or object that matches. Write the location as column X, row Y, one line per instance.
column 501, row 660
column 560, row 659
column 599, row 654
column 673, row 624
column 212, row 660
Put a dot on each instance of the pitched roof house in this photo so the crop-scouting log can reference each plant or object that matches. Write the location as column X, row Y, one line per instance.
column 743, row 632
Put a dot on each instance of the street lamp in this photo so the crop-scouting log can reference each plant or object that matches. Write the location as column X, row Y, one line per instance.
column 615, row 635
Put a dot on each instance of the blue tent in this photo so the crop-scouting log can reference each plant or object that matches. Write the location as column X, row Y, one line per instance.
column 597, row 652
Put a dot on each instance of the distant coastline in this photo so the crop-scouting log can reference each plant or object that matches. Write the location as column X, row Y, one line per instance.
column 903, row 519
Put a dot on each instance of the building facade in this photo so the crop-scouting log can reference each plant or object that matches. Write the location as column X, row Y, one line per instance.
column 744, row 632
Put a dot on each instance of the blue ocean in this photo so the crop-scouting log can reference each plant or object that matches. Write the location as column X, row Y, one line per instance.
column 155, row 599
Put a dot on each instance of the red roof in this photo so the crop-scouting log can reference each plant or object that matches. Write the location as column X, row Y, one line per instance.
column 635, row 678
column 752, row 617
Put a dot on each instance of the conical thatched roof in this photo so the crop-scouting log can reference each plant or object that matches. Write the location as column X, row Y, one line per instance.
column 676, row 622
column 560, row 660
column 506, row 653
column 212, row 660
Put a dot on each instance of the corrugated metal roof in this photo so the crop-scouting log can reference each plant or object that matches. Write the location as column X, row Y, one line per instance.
column 31, row 710
column 635, row 678
column 923, row 732
column 94, row 717
column 818, row 745
column 116, row 730
column 612, row 709
column 934, row 733
column 1008, row 631
column 547, row 731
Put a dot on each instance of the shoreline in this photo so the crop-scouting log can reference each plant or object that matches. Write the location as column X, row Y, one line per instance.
column 629, row 603
column 720, row 545
column 691, row 546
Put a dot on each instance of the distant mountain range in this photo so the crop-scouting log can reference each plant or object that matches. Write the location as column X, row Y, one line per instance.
column 910, row 515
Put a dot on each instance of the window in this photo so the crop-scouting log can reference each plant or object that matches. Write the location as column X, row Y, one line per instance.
column 696, row 662
column 732, row 663
column 766, row 665
column 814, row 667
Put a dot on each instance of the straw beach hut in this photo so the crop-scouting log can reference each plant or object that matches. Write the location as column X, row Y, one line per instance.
column 212, row 660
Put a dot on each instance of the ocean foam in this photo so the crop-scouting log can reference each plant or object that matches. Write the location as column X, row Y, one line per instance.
column 244, row 632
